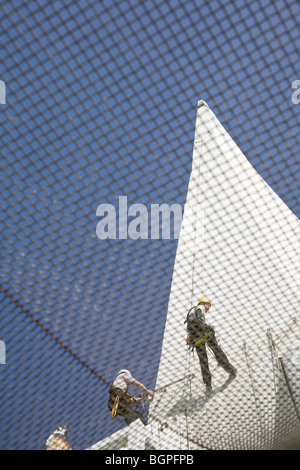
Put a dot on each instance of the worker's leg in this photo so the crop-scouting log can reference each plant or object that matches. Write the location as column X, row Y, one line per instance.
column 203, row 359
column 130, row 414
column 221, row 356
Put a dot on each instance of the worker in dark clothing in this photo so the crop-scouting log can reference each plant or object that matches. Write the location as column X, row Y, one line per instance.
column 121, row 401
column 201, row 334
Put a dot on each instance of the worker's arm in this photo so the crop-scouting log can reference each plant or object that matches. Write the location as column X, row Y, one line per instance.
column 142, row 387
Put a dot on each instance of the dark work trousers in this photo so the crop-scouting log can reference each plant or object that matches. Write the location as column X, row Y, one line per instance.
column 124, row 408
column 219, row 354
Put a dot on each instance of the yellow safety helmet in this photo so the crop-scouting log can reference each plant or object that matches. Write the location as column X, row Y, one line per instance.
column 204, row 300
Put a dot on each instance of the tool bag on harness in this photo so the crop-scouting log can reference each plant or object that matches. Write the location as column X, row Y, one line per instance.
column 119, row 398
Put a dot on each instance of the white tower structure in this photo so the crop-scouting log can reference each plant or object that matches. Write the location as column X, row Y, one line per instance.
column 238, row 246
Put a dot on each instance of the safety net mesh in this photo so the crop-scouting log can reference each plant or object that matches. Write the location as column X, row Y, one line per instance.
column 98, row 110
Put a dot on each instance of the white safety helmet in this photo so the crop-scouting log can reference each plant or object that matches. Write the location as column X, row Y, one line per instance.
column 123, row 371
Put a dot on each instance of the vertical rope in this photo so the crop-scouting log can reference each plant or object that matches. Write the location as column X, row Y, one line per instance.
column 289, row 388
column 195, row 215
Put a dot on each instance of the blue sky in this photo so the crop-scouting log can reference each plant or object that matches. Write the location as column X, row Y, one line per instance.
column 101, row 101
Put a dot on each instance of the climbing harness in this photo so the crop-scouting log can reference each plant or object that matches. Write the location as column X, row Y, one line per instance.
column 201, row 340
column 115, row 406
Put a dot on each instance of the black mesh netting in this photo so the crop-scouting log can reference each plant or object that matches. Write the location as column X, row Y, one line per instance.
column 98, row 104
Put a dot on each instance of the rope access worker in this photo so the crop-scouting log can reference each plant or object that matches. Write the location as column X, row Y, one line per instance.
column 201, row 334
column 120, row 400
